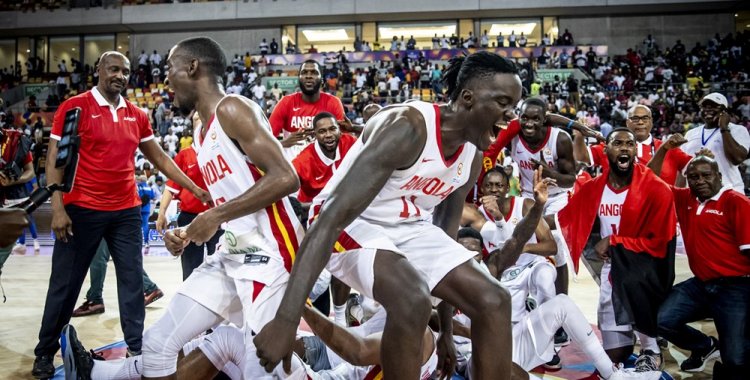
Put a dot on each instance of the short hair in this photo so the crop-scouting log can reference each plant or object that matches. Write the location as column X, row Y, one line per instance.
column 535, row 101
column 207, row 51
column 320, row 116
column 309, row 61
column 632, row 109
column 619, row 129
column 703, row 160
column 468, row 232
column 497, row 170
column 462, row 70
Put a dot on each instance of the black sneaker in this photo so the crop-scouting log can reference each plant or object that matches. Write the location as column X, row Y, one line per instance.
column 76, row 360
column 561, row 338
column 554, row 364
column 43, row 367
column 130, row 353
column 698, row 359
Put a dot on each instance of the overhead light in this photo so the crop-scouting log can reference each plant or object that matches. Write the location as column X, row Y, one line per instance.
column 28, row 50
column 512, row 27
column 74, row 49
column 322, row 35
column 416, row 31
column 736, row 15
column 119, row 47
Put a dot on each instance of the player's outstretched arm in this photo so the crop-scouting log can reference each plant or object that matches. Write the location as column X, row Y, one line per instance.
column 657, row 161
column 393, row 140
column 244, row 122
column 156, row 155
column 357, row 350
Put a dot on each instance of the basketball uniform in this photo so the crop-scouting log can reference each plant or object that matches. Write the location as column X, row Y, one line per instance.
column 557, row 196
column 399, row 218
column 246, row 278
column 609, row 220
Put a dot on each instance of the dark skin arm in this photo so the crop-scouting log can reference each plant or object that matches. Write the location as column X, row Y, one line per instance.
column 580, row 149
column 545, row 245
column 26, row 176
column 565, row 174
column 657, row 160
column 244, row 122
column 735, row 152
column 154, row 154
column 62, row 226
column 396, row 144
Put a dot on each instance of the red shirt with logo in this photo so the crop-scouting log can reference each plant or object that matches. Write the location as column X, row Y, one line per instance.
column 105, row 178
column 293, row 113
column 187, row 161
column 315, row 169
column 715, row 231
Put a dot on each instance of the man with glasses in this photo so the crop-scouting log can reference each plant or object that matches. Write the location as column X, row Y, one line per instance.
column 727, row 141
column 640, row 122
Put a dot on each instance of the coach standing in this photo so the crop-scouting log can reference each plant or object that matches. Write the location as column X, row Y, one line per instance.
column 102, row 204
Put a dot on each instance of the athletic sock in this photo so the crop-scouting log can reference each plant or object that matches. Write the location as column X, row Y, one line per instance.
column 648, row 343
column 128, row 369
column 578, row 328
column 339, row 314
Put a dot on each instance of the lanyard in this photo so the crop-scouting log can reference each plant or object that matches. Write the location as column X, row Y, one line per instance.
column 706, row 140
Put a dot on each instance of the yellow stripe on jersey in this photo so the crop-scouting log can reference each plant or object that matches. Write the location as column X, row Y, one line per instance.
column 338, row 247
column 284, row 232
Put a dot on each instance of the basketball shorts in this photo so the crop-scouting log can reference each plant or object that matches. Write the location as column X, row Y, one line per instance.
column 245, row 289
column 518, row 281
column 429, row 250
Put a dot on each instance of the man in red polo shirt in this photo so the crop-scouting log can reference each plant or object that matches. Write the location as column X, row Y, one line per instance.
column 640, row 122
column 102, row 204
column 294, row 113
column 317, row 162
column 717, row 240
column 190, row 207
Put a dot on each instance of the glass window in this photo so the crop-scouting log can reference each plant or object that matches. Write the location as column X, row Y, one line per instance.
column 123, row 43
column 288, row 38
column 40, row 50
column 531, row 29
column 370, row 33
column 94, row 46
column 63, row 49
column 465, row 26
column 7, row 54
column 24, row 52
column 550, row 29
column 326, row 38
column 423, row 32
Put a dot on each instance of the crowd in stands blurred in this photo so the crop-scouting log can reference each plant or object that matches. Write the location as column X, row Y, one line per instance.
column 36, row 5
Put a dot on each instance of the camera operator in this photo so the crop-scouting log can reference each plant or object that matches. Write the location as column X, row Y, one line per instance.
column 16, row 169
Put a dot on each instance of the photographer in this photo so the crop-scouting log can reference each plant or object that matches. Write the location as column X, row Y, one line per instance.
column 16, row 169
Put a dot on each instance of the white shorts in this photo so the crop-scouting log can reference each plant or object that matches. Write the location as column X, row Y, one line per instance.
column 606, row 310
column 518, row 281
column 245, row 294
column 429, row 250
column 554, row 204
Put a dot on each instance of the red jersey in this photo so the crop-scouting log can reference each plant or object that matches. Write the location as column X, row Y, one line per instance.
column 109, row 135
column 187, row 161
column 715, row 231
column 674, row 161
column 293, row 113
column 315, row 169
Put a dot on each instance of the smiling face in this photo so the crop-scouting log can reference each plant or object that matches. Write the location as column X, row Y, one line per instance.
column 709, row 112
column 309, row 79
column 703, row 178
column 490, row 106
column 621, row 152
column 640, row 122
column 114, row 72
column 327, row 134
column 532, row 122
column 178, row 80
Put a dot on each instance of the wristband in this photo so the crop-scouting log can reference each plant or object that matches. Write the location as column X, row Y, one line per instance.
column 570, row 125
column 500, row 223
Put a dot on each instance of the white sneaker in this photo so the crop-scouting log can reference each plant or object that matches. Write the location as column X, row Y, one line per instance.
column 19, row 249
column 621, row 373
column 36, row 247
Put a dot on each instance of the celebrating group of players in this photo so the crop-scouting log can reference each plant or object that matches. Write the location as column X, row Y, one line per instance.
column 476, row 287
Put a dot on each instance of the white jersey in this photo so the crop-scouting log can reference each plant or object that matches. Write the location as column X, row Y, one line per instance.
column 411, row 194
column 228, row 173
column 610, row 210
column 494, row 237
column 547, row 152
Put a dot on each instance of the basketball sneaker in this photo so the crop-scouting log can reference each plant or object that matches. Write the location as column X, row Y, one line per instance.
column 19, row 249
column 561, row 338
column 554, row 364
column 698, row 359
column 76, row 360
column 354, row 312
column 621, row 373
column 649, row 361
column 37, row 248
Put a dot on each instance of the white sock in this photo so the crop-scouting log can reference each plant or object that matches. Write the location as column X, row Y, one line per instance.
column 579, row 330
column 339, row 314
column 225, row 344
column 648, row 343
column 128, row 369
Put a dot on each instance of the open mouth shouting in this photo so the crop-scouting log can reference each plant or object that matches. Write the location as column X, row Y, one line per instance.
column 624, row 162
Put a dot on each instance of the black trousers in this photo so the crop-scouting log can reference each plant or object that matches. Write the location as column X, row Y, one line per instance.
column 192, row 256
column 70, row 263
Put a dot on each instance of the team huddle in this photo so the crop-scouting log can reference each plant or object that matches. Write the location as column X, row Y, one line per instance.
column 457, row 275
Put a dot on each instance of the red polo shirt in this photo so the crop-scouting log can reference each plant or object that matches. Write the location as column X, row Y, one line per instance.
column 293, row 113
column 105, row 177
column 715, row 232
column 674, row 161
column 315, row 169
column 187, row 161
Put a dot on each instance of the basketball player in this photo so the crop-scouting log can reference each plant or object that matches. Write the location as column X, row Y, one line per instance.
column 248, row 178
column 640, row 122
column 636, row 214
column 412, row 167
